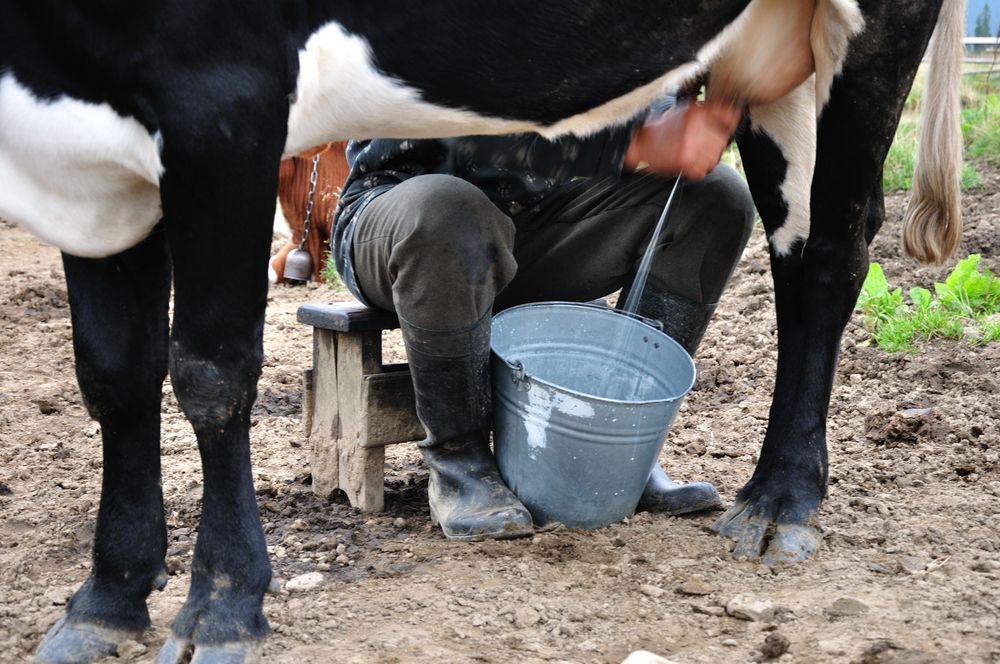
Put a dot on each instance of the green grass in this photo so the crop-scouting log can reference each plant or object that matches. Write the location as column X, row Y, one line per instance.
column 968, row 299
column 980, row 128
column 330, row 276
column 898, row 172
column 990, row 330
column 897, row 175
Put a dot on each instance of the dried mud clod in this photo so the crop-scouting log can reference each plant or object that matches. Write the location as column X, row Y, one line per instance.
column 903, row 426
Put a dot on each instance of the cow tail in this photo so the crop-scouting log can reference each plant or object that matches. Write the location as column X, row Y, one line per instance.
column 932, row 228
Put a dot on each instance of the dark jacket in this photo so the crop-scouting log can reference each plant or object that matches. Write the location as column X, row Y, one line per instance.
column 515, row 172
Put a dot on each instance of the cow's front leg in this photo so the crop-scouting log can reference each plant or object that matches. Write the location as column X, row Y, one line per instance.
column 119, row 313
column 218, row 206
column 819, row 260
column 774, row 516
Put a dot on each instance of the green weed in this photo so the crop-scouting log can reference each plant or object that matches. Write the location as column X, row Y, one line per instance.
column 980, row 128
column 970, row 296
column 897, row 174
column 989, row 331
column 330, row 276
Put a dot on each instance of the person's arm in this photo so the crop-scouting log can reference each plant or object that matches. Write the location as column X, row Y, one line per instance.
column 688, row 139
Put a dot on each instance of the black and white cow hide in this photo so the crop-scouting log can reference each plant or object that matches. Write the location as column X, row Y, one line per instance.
column 143, row 139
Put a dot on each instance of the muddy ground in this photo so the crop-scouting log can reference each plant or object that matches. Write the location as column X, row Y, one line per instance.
column 909, row 570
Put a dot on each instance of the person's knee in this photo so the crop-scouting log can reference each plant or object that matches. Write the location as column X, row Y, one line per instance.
column 457, row 225
column 727, row 203
column 453, row 213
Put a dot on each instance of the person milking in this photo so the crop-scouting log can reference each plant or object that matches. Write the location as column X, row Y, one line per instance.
column 447, row 232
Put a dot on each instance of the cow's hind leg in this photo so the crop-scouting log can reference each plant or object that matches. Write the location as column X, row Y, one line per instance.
column 218, row 203
column 119, row 312
column 818, row 270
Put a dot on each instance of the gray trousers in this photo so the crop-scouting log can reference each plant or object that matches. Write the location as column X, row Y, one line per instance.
column 439, row 253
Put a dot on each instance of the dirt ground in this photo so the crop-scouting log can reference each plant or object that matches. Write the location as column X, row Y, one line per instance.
column 909, row 570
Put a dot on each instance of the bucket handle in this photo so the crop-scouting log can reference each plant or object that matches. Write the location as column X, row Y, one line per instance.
column 652, row 322
column 521, row 379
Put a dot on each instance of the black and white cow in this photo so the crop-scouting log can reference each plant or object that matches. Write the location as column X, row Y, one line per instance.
column 143, row 139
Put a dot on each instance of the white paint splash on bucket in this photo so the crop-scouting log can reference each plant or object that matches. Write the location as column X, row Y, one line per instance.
column 542, row 400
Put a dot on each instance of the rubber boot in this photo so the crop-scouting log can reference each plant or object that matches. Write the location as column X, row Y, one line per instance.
column 451, row 383
column 685, row 321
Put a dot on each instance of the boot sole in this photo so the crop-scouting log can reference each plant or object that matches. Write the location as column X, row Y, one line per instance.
column 505, row 534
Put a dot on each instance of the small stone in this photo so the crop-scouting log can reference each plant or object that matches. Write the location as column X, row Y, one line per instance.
column 526, row 616
column 59, row 596
column 343, row 560
column 775, row 645
column 617, row 541
column 831, row 647
column 341, row 548
column 651, row 591
column 131, row 649
column 716, row 611
column 174, row 565
column 305, row 582
column 872, row 654
column 695, row 586
column 399, row 522
column 846, row 607
column 567, row 629
column 730, row 643
column 748, row 608
column 696, row 448
column 913, row 564
column 300, row 524
column 645, row 657
column 47, row 406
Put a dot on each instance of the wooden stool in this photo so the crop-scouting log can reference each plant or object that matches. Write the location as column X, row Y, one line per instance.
column 354, row 405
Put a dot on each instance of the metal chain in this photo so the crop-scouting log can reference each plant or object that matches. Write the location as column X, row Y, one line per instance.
column 307, row 226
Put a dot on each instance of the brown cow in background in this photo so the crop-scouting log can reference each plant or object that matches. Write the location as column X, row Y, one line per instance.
column 293, row 195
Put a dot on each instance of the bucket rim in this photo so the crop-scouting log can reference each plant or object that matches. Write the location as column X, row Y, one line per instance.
column 596, row 308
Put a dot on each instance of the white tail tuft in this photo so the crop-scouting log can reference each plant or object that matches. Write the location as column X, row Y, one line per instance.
column 932, row 228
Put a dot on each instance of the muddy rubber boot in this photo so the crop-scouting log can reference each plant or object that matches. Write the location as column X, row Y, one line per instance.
column 451, row 383
column 685, row 321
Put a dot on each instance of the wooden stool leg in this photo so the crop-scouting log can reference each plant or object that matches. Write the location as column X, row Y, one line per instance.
column 341, row 458
column 362, row 476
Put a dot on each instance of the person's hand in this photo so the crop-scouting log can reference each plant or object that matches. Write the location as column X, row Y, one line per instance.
column 687, row 140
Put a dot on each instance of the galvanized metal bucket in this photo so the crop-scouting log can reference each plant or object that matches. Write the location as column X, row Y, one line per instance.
column 583, row 397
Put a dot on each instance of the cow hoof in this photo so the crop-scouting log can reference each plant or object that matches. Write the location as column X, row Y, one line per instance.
column 177, row 651
column 73, row 643
column 759, row 537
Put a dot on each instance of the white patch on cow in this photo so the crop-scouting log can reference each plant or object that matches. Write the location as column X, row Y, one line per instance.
column 272, row 274
column 341, row 95
column 835, row 22
column 542, row 401
column 76, row 174
column 791, row 123
column 334, row 60
column 280, row 228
